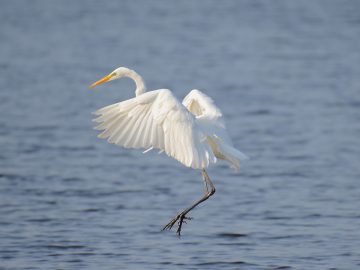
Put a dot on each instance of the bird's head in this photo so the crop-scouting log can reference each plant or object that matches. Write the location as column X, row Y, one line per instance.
column 116, row 74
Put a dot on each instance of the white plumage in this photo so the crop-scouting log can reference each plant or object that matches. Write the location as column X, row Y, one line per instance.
column 156, row 120
column 192, row 132
column 209, row 119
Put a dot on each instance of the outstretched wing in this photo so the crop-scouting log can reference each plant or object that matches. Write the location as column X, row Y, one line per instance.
column 156, row 119
column 209, row 118
column 201, row 105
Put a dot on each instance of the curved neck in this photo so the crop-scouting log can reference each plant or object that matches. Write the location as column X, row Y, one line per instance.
column 140, row 84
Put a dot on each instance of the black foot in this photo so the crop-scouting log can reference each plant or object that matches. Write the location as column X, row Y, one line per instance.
column 181, row 218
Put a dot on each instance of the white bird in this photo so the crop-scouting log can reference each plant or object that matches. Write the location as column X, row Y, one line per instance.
column 192, row 132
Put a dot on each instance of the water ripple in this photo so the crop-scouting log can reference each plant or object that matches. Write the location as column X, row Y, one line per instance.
column 285, row 76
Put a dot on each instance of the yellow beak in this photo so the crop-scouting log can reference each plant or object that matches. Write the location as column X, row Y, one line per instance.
column 103, row 80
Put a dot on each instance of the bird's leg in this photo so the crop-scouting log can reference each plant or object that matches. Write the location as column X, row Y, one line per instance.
column 210, row 190
column 206, row 187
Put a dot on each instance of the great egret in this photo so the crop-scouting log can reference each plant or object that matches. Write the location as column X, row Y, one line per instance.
column 193, row 132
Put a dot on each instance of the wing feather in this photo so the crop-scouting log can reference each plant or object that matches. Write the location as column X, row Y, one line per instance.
column 131, row 137
column 210, row 120
column 156, row 119
column 140, row 132
column 146, row 132
column 103, row 125
column 106, row 109
column 110, row 127
column 119, row 132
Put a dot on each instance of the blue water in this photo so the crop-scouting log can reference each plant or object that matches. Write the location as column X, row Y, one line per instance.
column 286, row 75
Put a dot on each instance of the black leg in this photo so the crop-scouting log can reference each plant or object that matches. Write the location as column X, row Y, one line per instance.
column 209, row 191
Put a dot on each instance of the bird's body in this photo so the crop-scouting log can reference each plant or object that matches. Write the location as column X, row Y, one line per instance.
column 192, row 132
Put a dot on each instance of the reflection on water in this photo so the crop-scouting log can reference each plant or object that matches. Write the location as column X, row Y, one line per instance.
column 286, row 77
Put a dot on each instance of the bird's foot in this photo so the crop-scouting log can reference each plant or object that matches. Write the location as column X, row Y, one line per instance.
column 181, row 218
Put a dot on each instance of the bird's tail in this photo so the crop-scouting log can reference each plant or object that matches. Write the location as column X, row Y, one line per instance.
column 233, row 156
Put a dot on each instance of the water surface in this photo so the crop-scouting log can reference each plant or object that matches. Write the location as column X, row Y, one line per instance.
column 286, row 75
